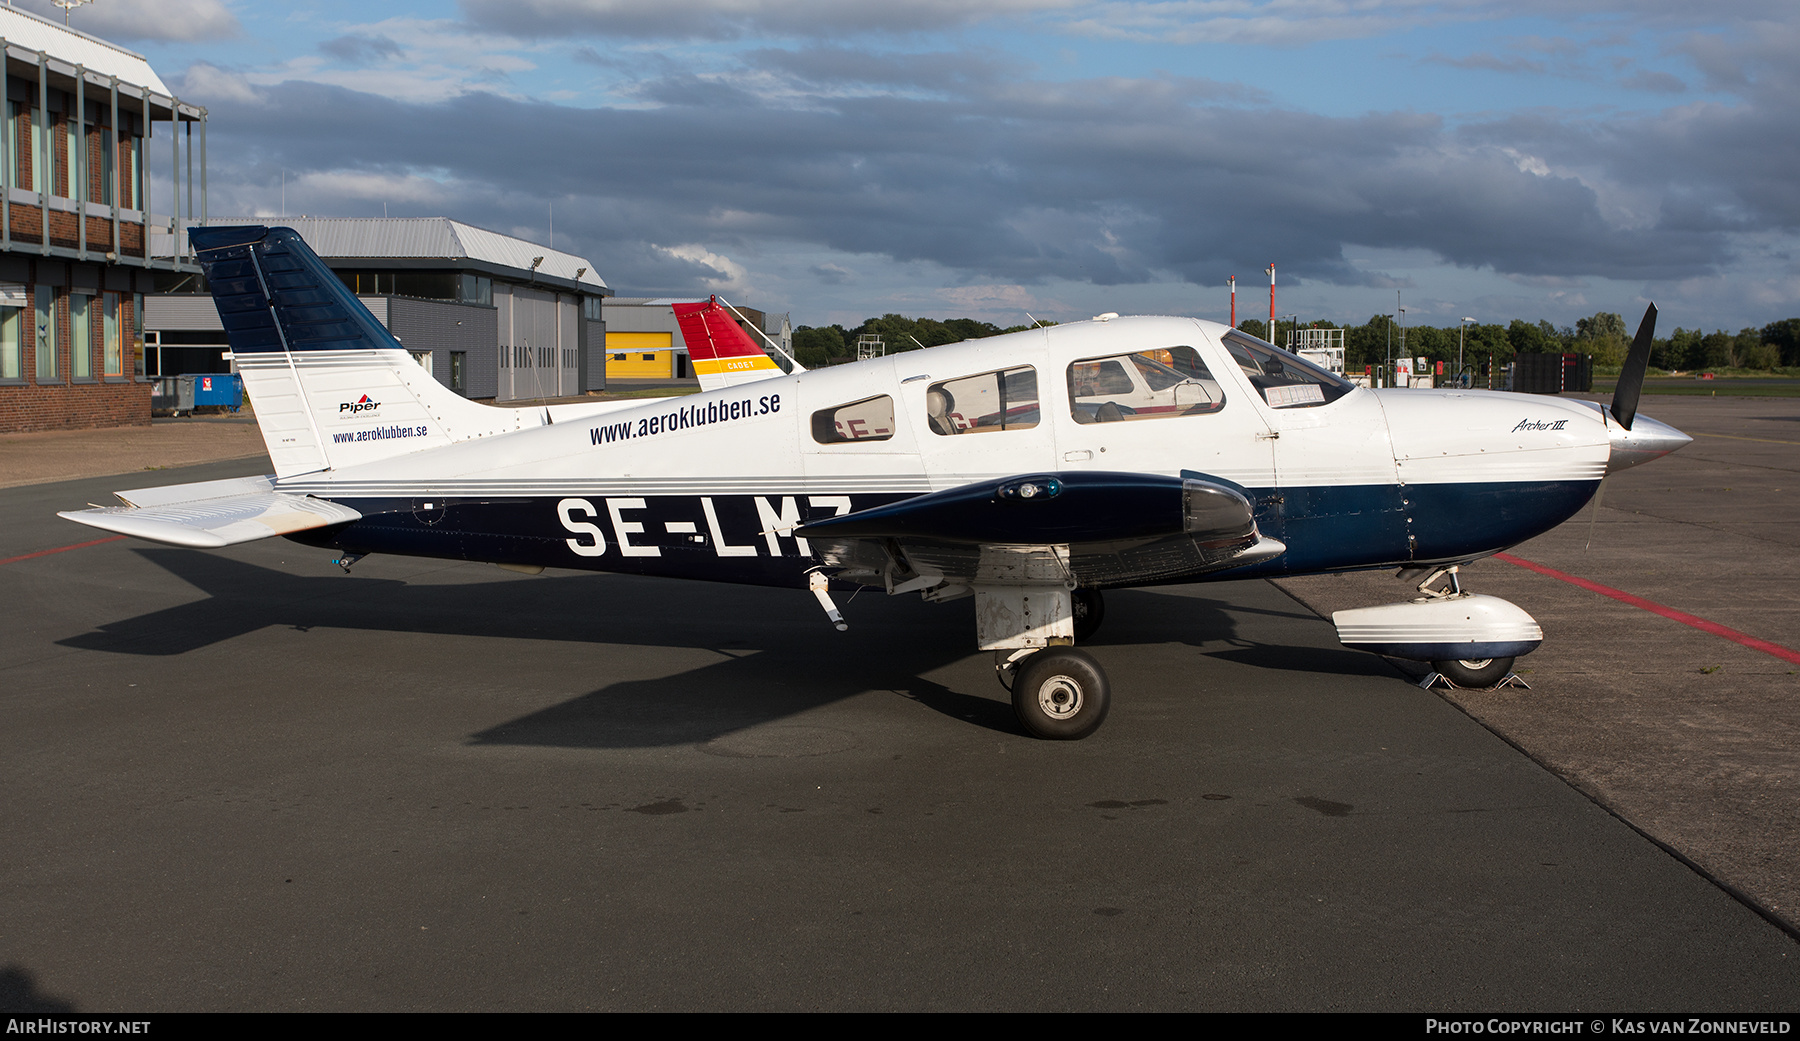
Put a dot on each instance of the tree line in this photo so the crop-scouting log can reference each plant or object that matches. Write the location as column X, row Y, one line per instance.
column 1604, row 335
column 815, row 347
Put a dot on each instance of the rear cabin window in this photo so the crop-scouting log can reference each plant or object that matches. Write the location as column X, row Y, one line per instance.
column 1004, row 400
column 1284, row 380
column 1153, row 384
column 871, row 419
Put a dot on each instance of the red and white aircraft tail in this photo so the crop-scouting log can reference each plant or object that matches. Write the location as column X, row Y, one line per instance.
column 723, row 355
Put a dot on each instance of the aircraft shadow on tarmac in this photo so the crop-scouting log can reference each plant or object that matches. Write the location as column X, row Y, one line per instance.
column 777, row 655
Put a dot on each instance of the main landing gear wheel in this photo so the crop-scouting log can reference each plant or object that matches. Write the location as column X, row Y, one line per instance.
column 1479, row 673
column 1060, row 694
column 1089, row 610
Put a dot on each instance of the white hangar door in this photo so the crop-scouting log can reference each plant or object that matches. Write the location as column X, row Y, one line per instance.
column 539, row 344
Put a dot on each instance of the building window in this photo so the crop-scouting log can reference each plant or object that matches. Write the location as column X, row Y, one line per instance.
column 71, row 152
column 459, row 371
column 18, row 144
column 476, row 289
column 135, row 186
column 12, row 344
column 590, row 308
column 115, row 348
column 101, row 161
column 81, row 336
column 45, row 344
column 137, row 334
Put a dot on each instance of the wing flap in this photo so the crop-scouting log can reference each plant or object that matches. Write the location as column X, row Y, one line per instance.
column 211, row 514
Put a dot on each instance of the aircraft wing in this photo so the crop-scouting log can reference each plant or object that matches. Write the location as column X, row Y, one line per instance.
column 1091, row 528
column 212, row 513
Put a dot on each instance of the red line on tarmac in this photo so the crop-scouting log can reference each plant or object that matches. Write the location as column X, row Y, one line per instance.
column 59, row 549
column 1655, row 608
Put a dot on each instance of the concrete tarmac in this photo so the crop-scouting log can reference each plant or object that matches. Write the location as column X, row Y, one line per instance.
column 1689, row 736
column 244, row 780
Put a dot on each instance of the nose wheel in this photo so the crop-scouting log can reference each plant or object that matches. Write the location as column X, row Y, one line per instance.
column 1061, row 694
column 1479, row 674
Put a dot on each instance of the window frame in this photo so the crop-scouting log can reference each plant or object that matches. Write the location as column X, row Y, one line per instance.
column 825, row 426
column 44, row 330
column 1133, row 363
column 81, row 336
column 950, row 416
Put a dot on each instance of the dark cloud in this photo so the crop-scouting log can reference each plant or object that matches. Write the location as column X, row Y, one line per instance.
column 361, row 50
column 1108, row 181
column 825, row 65
column 738, row 19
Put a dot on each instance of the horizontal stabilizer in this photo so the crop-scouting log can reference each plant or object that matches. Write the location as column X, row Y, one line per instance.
column 212, row 513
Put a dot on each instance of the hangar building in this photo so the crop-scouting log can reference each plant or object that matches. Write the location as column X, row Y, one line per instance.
column 643, row 340
column 491, row 316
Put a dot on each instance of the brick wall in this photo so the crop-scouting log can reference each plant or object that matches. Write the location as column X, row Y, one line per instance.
column 64, row 403
column 73, row 406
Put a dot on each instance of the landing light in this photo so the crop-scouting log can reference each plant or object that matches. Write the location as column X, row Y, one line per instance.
column 1033, row 488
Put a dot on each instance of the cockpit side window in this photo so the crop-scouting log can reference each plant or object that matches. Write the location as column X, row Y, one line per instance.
column 871, row 419
column 1284, row 379
column 1004, row 400
column 1153, row 384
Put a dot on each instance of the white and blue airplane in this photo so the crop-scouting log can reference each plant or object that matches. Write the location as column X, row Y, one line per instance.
column 1030, row 471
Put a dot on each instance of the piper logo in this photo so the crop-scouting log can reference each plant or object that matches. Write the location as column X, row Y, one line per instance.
column 363, row 404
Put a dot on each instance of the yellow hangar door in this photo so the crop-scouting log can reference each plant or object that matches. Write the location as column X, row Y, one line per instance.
column 639, row 356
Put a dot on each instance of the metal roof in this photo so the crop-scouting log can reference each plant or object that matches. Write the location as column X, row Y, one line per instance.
column 78, row 48
column 434, row 238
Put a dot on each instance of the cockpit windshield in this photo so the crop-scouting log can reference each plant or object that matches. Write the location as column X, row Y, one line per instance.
column 1284, row 379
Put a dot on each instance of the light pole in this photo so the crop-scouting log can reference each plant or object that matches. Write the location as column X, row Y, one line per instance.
column 1461, row 327
column 1387, row 368
column 1402, row 338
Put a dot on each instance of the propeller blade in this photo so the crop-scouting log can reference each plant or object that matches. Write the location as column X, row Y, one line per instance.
column 1631, row 375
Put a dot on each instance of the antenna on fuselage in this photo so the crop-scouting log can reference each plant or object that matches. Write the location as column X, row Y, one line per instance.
column 795, row 362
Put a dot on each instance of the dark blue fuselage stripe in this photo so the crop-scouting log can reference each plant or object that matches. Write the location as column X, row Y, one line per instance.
column 1326, row 528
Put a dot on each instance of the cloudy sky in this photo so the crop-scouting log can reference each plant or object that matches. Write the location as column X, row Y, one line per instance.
column 836, row 159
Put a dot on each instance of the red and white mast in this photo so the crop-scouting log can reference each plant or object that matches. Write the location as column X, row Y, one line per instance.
column 1271, row 301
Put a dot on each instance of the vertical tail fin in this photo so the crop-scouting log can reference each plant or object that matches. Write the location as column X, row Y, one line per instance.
column 330, row 386
column 722, row 353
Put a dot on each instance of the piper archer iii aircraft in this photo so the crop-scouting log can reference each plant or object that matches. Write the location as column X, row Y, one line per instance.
column 1030, row 471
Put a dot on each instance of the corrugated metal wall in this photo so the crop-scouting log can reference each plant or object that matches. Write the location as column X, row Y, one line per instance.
column 443, row 327
column 540, row 343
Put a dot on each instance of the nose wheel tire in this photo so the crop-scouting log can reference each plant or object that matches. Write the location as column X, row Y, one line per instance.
column 1061, row 694
column 1478, row 674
